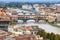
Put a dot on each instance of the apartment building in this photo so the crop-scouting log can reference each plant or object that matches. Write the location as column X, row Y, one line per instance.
column 26, row 6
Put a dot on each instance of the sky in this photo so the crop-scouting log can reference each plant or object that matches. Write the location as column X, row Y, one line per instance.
column 30, row 0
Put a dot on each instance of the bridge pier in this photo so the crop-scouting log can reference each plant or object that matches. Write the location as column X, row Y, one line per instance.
column 24, row 20
column 36, row 21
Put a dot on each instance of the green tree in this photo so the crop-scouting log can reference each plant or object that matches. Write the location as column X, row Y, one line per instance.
column 52, row 36
column 11, row 23
column 42, row 33
column 48, row 35
column 57, row 37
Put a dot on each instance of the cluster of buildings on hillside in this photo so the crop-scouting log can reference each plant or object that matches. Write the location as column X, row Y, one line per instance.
column 25, row 32
column 51, row 13
column 7, row 16
column 21, row 33
column 36, row 12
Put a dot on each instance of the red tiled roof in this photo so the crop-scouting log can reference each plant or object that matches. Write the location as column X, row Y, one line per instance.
column 28, row 35
column 24, row 28
column 5, row 19
column 25, row 37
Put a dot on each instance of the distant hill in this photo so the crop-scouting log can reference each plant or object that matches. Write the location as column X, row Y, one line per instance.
column 18, row 4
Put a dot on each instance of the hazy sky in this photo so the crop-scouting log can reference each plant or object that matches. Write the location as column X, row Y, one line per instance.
column 30, row 0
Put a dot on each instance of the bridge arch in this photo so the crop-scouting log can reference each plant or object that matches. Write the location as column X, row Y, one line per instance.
column 20, row 21
column 30, row 21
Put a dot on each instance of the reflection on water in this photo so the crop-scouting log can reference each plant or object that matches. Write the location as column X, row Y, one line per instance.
column 49, row 28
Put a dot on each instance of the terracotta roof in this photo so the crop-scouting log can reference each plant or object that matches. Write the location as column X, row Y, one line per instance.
column 24, row 28
column 28, row 35
column 5, row 19
column 2, row 13
column 25, row 37
column 58, row 11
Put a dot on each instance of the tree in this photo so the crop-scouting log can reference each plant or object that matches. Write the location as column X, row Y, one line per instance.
column 57, row 37
column 48, row 35
column 42, row 33
column 52, row 36
column 11, row 23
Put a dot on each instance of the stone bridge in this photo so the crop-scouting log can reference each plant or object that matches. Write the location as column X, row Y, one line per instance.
column 25, row 19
